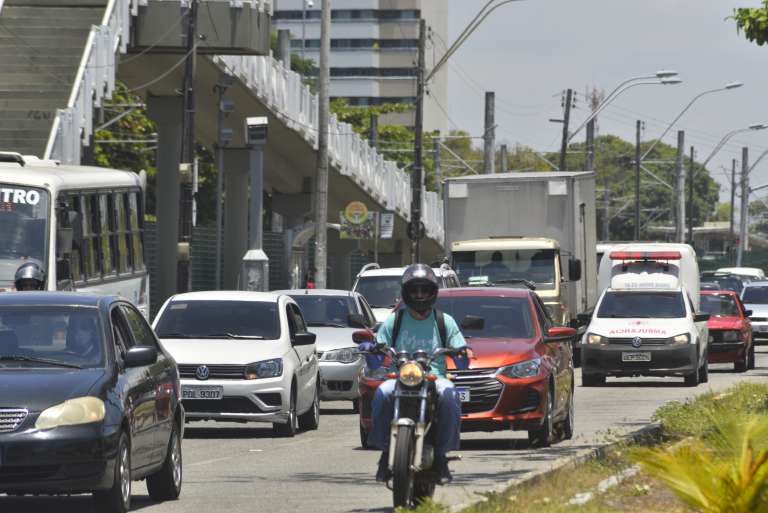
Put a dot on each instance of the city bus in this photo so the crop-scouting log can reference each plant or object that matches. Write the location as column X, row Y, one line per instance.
column 84, row 225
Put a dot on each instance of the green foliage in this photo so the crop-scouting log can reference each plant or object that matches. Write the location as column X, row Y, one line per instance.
column 722, row 212
column 304, row 67
column 753, row 21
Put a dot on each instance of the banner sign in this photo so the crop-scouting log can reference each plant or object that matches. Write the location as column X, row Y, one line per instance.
column 357, row 222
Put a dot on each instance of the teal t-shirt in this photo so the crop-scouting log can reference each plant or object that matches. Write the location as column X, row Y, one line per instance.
column 415, row 335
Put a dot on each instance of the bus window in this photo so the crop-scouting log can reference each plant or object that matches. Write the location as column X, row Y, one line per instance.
column 128, row 242
column 121, row 236
column 70, row 218
column 90, row 237
column 24, row 216
column 105, row 230
column 137, row 235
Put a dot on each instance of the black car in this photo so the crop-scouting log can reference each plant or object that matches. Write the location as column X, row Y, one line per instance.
column 89, row 400
column 714, row 280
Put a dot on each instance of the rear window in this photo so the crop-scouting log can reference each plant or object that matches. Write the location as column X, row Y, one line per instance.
column 380, row 291
column 504, row 317
column 755, row 295
column 326, row 310
column 719, row 304
column 724, row 283
column 639, row 305
column 219, row 319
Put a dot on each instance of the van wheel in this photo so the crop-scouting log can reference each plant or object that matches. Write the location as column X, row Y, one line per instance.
column 704, row 370
column 692, row 379
column 118, row 498
column 592, row 380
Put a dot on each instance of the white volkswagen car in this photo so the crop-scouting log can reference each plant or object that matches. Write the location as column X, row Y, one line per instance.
column 243, row 356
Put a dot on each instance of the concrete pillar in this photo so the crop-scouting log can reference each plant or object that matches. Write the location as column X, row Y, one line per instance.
column 165, row 111
column 235, row 214
column 284, row 47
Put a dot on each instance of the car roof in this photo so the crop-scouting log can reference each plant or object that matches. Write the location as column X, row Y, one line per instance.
column 41, row 298
column 485, row 292
column 315, row 292
column 227, row 295
column 399, row 271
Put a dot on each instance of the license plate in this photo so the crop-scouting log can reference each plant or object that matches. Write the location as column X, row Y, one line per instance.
column 463, row 394
column 635, row 357
column 202, row 392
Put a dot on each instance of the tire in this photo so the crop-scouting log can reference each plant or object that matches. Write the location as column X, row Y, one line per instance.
column 363, row 437
column 423, row 489
column 566, row 425
column 289, row 429
column 543, row 436
column 592, row 380
column 310, row 420
column 165, row 484
column 741, row 365
column 402, row 473
column 692, row 379
column 356, row 405
column 118, row 498
column 751, row 357
column 704, row 371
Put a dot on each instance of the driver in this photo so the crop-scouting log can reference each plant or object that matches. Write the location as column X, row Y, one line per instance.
column 419, row 330
column 82, row 335
column 29, row 276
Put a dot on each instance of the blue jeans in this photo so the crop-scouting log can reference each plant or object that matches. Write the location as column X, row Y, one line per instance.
column 448, row 416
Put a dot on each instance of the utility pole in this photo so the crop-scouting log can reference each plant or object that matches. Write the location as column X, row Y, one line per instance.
column 373, row 137
column 219, row 88
column 503, row 159
column 690, row 201
column 607, row 208
column 438, row 167
column 489, row 135
column 589, row 161
column 680, row 174
column 321, row 183
column 416, row 180
column 744, row 206
column 566, row 121
column 187, row 166
column 733, row 200
column 638, row 128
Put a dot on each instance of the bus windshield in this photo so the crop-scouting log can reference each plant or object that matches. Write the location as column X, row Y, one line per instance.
column 24, row 214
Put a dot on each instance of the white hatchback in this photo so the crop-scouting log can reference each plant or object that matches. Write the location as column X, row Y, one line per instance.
column 243, row 356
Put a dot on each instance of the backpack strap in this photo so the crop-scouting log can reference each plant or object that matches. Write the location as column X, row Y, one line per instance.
column 440, row 317
column 396, row 327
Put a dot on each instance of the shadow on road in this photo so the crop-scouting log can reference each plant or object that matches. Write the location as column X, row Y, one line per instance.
column 337, row 411
column 63, row 504
column 227, row 432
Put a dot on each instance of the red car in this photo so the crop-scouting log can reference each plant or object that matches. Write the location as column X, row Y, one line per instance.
column 730, row 331
column 522, row 374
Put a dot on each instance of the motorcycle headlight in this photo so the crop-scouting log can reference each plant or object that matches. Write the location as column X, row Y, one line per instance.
column 82, row 410
column 264, row 369
column 681, row 339
column 411, row 374
column 593, row 338
column 346, row 355
column 526, row 369
column 731, row 336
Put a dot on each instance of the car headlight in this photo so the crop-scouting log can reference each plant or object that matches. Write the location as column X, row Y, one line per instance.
column 593, row 338
column 265, row 369
column 681, row 339
column 411, row 374
column 73, row 412
column 526, row 369
column 346, row 355
column 731, row 336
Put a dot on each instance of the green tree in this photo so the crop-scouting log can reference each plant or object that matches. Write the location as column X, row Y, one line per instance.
column 753, row 21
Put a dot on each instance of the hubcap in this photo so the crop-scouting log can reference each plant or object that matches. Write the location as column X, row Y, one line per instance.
column 176, row 461
column 125, row 476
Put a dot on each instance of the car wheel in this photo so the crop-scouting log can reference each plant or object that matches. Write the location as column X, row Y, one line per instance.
column 311, row 419
column 704, row 371
column 751, row 357
column 592, row 380
column 356, row 405
column 118, row 498
column 288, row 429
column 692, row 379
column 543, row 436
column 566, row 425
column 743, row 364
column 363, row 437
column 165, row 484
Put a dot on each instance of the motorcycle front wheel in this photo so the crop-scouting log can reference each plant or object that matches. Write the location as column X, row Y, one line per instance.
column 402, row 473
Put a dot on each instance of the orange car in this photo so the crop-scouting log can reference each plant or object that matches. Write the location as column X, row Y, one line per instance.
column 522, row 374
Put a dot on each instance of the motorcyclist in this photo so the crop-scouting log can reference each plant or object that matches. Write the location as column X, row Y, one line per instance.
column 418, row 331
column 29, row 276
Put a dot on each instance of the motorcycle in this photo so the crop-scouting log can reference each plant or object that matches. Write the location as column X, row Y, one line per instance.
column 412, row 434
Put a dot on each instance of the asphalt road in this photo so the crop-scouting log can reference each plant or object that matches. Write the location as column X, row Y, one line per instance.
column 235, row 467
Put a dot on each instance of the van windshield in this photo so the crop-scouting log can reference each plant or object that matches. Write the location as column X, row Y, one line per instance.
column 24, row 215
column 755, row 295
column 641, row 305
column 507, row 266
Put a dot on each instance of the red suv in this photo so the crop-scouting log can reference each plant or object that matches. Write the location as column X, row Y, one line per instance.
column 522, row 376
column 730, row 331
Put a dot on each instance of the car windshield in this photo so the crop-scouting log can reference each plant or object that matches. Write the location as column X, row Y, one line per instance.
column 756, row 295
column 503, row 317
column 24, row 217
column 219, row 319
column 326, row 310
column 633, row 305
column 724, row 282
column 723, row 305
column 380, row 291
column 507, row 266
column 50, row 336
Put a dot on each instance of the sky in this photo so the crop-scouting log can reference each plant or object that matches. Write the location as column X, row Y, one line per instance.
column 529, row 52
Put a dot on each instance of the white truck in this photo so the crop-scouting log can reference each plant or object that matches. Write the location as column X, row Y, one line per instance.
column 647, row 320
column 538, row 227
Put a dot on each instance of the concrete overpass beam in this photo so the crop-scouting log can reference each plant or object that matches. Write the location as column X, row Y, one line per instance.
column 236, row 165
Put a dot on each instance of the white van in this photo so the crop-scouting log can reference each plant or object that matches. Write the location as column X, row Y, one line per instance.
column 646, row 322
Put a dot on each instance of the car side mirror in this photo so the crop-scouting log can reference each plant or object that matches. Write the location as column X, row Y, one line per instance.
column 361, row 336
column 304, row 338
column 747, row 313
column 472, row 323
column 140, row 356
column 574, row 269
column 355, row 320
column 583, row 318
column 560, row 334
column 701, row 317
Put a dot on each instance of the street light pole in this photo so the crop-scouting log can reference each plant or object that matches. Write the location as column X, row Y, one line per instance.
column 321, row 185
column 744, row 205
column 638, row 128
column 416, row 173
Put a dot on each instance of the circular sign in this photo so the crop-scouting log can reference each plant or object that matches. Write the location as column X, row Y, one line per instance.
column 356, row 212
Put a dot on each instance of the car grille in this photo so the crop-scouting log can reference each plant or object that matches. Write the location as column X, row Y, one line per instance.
column 484, row 389
column 646, row 341
column 225, row 405
column 11, row 419
column 717, row 336
column 21, row 474
column 215, row 371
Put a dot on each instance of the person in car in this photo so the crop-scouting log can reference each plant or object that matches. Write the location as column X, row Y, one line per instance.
column 83, row 336
column 418, row 330
column 496, row 268
column 29, row 276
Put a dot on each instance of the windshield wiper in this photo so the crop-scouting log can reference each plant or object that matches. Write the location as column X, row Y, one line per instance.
column 617, row 316
column 326, row 325
column 173, row 335
column 36, row 359
column 246, row 337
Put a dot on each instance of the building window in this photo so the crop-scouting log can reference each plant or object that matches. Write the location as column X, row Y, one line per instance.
column 365, row 101
column 350, row 15
column 360, row 44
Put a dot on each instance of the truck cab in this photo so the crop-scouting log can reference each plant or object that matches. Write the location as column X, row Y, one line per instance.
column 647, row 320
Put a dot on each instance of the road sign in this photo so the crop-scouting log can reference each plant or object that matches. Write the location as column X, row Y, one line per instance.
column 386, row 224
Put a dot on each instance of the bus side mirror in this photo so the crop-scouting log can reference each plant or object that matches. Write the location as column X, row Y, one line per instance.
column 574, row 269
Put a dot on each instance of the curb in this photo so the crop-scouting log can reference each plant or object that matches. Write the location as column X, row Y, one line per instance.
column 650, row 433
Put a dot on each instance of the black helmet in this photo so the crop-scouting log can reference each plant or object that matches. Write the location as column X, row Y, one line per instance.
column 29, row 276
column 419, row 275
